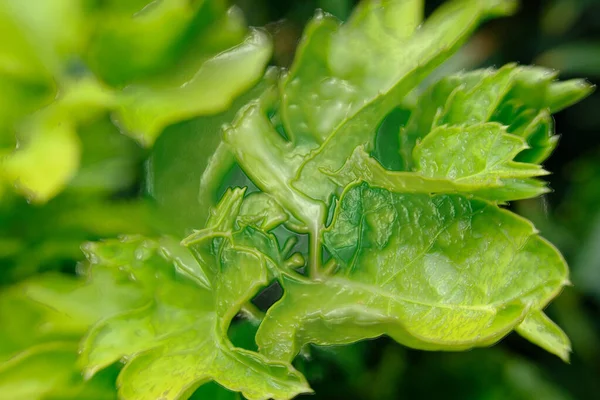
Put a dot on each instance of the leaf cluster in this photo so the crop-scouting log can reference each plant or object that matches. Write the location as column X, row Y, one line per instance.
column 412, row 242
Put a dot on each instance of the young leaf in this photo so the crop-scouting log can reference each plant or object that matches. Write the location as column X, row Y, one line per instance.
column 177, row 340
column 486, row 184
column 335, row 96
column 477, row 155
column 539, row 329
column 242, row 222
column 266, row 158
column 520, row 97
column 337, row 66
column 436, row 40
column 433, row 272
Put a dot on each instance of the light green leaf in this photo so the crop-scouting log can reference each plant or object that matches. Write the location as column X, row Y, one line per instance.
column 211, row 88
column 493, row 187
column 321, row 123
column 48, row 155
column 479, row 155
column 537, row 127
column 235, row 220
column 168, row 61
column 338, row 66
column 433, row 272
column 187, row 186
column 270, row 161
column 414, row 58
column 539, row 329
column 46, row 162
column 520, row 97
column 48, row 372
column 262, row 211
column 177, row 340
column 38, row 40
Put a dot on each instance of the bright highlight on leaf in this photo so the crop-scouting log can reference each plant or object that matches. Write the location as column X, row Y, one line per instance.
column 425, row 254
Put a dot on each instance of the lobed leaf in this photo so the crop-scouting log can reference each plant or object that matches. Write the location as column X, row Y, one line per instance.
column 479, row 155
column 176, row 341
column 487, row 184
column 519, row 97
column 436, row 272
column 335, row 95
column 436, row 40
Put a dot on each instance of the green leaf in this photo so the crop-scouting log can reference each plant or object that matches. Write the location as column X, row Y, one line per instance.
column 146, row 109
column 49, row 372
column 433, row 272
column 388, row 81
column 520, row 97
column 262, row 211
column 48, row 156
column 177, row 340
column 266, row 158
column 573, row 58
column 187, row 186
column 486, row 184
column 334, row 95
column 337, row 66
column 38, row 40
column 539, row 329
column 477, row 155
column 139, row 38
column 235, row 220
column 168, row 61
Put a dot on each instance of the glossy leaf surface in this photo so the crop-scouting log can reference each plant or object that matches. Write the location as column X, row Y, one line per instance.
column 433, row 272
column 175, row 342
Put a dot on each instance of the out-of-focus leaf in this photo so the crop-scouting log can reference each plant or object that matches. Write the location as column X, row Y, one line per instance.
column 39, row 40
column 145, row 110
column 48, row 153
column 135, row 39
column 573, row 59
column 186, row 186
column 168, row 61
column 109, row 161
column 49, row 372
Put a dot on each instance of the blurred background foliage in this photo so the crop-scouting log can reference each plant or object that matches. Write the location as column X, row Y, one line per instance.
column 112, row 193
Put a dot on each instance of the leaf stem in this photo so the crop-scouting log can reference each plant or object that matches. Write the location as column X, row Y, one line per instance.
column 315, row 253
column 330, row 267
